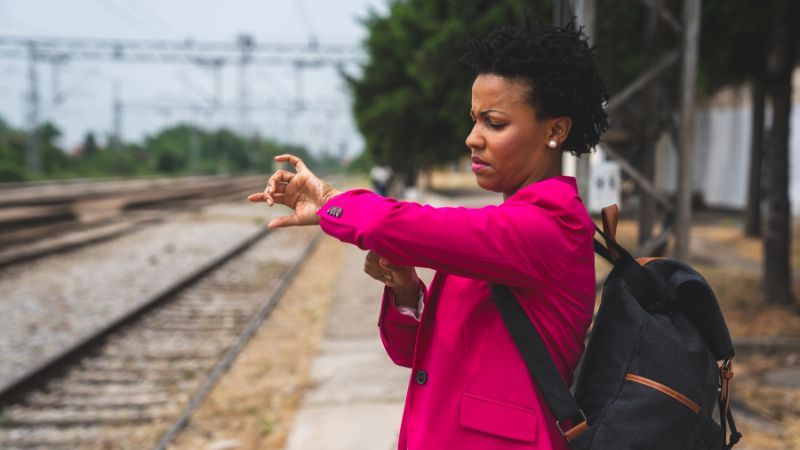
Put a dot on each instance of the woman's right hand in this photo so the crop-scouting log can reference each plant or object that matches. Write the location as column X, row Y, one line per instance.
column 403, row 280
column 301, row 190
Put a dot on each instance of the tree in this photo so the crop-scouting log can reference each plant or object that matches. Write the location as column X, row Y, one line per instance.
column 412, row 101
column 736, row 56
column 12, row 156
column 54, row 159
column 777, row 273
column 89, row 147
column 760, row 46
column 167, row 151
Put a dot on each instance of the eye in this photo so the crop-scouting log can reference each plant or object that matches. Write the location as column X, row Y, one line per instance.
column 495, row 125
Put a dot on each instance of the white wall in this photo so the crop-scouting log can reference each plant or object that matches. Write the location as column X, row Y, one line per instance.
column 722, row 157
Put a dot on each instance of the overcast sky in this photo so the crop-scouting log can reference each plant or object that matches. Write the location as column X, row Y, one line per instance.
column 86, row 87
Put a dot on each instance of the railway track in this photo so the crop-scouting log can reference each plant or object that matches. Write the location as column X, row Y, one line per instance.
column 134, row 383
column 71, row 221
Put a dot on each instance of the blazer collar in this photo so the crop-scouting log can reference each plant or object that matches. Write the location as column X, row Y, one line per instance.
column 534, row 189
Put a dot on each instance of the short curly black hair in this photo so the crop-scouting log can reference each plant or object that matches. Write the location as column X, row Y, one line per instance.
column 559, row 67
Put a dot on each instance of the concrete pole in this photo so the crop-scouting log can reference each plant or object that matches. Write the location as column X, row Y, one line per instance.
column 691, row 38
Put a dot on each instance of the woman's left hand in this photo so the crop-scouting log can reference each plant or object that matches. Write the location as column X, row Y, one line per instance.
column 301, row 190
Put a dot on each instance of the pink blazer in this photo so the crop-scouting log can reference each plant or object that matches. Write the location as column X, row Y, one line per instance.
column 469, row 388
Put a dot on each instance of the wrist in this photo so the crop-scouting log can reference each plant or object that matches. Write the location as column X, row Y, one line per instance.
column 407, row 295
column 327, row 194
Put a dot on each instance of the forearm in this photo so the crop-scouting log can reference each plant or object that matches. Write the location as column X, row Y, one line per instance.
column 398, row 330
column 513, row 244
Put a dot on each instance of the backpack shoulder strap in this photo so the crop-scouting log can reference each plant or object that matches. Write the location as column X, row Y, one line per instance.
column 539, row 362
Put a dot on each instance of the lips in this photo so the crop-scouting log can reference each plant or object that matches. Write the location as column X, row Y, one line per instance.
column 478, row 164
column 477, row 160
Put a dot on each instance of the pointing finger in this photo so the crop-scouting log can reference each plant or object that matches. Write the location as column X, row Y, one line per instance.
column 257, row 197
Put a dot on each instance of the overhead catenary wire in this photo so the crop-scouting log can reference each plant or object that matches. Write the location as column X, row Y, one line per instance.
column 159, row 52
column 166, row 51
column 124, row 16
column 148, row 15
column 312, row 36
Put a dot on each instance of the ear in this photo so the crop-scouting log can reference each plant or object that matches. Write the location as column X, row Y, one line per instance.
column 559, row 128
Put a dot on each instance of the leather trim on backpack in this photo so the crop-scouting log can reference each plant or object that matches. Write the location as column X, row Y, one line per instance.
column 610, row 216
column 665, row 390
column 576, row 431
column 642, row 260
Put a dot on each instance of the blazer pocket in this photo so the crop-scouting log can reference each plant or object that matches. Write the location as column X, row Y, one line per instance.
column 497, row 418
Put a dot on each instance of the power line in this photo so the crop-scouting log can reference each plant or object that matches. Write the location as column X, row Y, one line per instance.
column 182, row 51
column 88, row 77
column 273, row 84
column 199, row 92
column 262, row 105
column 149, row 15
column 312, row 36
column 211, row 54
column 215, row 66
column 123, row 16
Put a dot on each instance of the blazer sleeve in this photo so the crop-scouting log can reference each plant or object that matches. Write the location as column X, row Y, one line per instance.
column 398, row 331
column 517, row 243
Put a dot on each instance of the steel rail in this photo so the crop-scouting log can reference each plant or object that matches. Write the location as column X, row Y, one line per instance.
column 33, row 378
column 225, row 363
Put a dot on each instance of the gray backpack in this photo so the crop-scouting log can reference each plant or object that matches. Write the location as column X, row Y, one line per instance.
column 649, row 378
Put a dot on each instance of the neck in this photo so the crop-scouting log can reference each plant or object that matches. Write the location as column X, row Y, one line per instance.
column 535, row 177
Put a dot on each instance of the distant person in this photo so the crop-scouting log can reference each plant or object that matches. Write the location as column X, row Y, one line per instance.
column 381, row 175
column 536, row 94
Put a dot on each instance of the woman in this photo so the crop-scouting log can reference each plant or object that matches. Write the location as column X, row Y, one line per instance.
column 537, row 93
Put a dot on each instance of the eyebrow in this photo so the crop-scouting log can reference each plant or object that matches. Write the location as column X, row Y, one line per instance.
column 486, row 112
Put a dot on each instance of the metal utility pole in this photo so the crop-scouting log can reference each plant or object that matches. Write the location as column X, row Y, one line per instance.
column 246, row 47
column 691, row 37
column 584, row 10
column 562, row 12
column 298, row 85
column 215, row 66
column 217, row 70
column 56, row 61
column 116, row 135
column 657, row 66
column 246, row 44
column 33, row 157
column 652, row 101
column 194, row 148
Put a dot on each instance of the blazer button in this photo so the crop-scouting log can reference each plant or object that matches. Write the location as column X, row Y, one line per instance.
column 422, row 377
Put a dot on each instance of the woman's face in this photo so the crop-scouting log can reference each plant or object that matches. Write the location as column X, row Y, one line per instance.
column 508, row 143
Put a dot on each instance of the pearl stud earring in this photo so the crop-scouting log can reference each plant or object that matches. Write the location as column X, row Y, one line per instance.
column 552, row 143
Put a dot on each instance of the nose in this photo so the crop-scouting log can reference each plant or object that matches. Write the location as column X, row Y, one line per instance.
column 474, row 139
